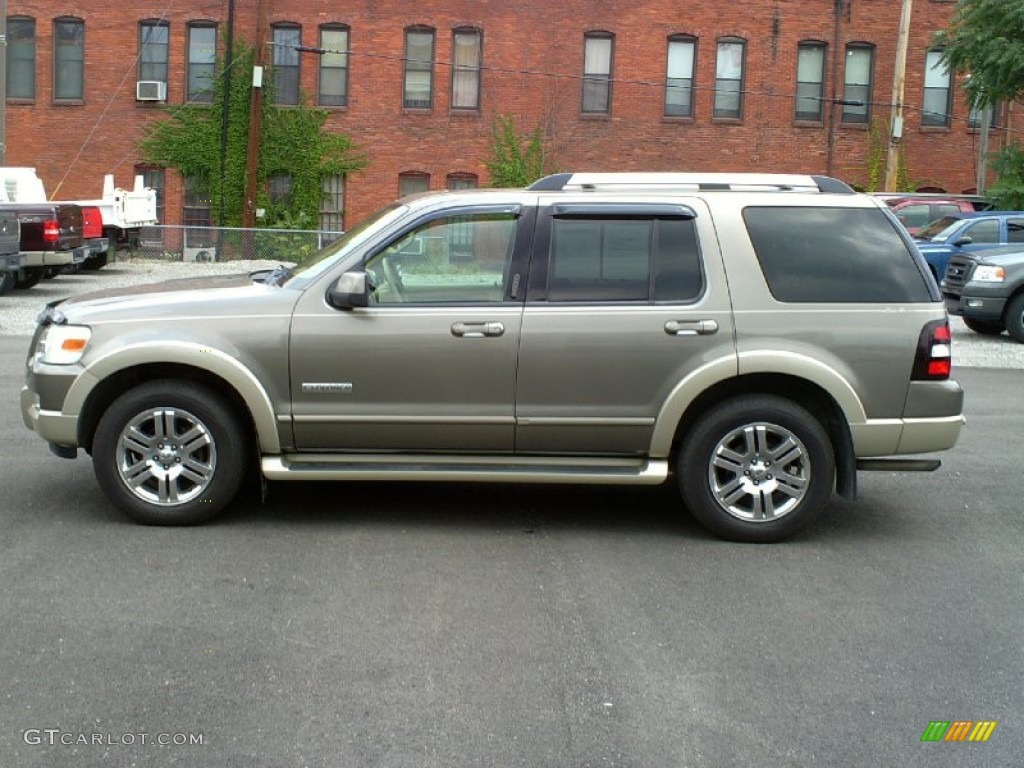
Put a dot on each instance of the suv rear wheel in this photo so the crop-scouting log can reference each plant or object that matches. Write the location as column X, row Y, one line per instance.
column 170, row 453
column 756, row 468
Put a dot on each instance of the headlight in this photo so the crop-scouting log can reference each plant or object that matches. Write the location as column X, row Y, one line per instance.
column 988, row 274
column 63, row 344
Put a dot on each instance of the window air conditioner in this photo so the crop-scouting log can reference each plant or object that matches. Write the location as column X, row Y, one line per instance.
column 151, row 90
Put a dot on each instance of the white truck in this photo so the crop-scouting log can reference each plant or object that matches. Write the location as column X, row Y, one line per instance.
column 123, row 211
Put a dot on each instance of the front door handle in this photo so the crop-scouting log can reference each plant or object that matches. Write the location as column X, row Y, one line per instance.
column 477, row 330
column 691, row 327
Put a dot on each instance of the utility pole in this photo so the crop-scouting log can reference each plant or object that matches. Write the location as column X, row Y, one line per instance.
column 892, row 159
column 3, row 82
column 252, row 158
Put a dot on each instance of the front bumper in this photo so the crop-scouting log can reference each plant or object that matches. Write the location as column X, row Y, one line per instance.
column 975, row 302
column 56, row 428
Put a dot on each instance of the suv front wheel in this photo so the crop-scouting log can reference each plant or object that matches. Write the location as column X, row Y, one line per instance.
column 170, row 453
column 756, row 468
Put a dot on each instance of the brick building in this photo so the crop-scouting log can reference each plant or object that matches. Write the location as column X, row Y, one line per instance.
column 612, row 84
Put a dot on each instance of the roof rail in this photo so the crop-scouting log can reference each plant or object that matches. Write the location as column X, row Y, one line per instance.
column 744, row 182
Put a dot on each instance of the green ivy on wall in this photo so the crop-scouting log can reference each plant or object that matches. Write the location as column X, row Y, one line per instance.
column 515, row 161
column 292, row 141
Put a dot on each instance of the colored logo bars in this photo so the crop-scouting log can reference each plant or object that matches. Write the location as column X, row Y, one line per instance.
column 958, row 730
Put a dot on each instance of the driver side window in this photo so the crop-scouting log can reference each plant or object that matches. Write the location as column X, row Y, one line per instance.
column 452, row 260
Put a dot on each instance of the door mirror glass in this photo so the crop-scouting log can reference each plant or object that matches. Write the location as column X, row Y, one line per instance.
column 349, row 291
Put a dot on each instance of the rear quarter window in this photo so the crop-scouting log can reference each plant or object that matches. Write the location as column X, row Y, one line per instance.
column 834, row 255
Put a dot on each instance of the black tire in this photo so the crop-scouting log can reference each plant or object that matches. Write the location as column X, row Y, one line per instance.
column 7, row 281
column 760, row 431
column 95, row 262
column 204, row 474
column 984, row 327
column 30, row 280
column 1015, row 318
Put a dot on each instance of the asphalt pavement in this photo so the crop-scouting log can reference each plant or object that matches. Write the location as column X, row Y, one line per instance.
column 451, row 625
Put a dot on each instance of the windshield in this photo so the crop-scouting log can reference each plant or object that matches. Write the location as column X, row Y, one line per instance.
column 315, row 264
column 937, row 230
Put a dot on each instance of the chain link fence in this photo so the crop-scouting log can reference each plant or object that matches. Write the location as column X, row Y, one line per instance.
column 199, row 244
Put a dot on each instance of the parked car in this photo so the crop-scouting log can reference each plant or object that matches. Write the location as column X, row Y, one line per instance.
column 915, row 210
column 758, row 337
column 986, row 289
column 962, row 233
column 11, row 259
column 51, row 238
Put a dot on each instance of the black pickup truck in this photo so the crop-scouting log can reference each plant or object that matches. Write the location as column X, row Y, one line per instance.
column 51, row 238
column 11, row 260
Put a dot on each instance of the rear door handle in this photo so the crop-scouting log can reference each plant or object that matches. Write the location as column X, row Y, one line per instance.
column 691, row 327
column 477, row 330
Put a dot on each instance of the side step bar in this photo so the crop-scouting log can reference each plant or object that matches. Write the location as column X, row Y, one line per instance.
column 482, row 469
column 898, row 465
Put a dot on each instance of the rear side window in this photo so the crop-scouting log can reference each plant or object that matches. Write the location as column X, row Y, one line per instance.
column 834, row 255
column 627, row 259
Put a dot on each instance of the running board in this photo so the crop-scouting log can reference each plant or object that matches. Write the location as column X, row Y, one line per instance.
column 898, row 465
column 481, row 469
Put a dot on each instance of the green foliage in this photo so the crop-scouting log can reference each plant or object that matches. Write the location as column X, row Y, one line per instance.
column 292, row 141
column 1008, row 191
column 875, row 160
column 986, row 39
column 516, row 161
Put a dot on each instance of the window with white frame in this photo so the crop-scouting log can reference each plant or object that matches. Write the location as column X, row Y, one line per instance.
column 332, row 204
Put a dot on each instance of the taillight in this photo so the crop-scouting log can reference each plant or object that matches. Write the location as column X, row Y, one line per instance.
column 934, row 359
column 51, row 231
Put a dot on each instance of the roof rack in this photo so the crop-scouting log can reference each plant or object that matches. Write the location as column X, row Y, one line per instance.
column 734, row 182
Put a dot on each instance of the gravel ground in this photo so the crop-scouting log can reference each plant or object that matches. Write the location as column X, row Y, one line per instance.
column 18, row 309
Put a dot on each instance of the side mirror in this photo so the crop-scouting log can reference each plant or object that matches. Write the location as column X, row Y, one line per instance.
column 349, row 291
column 962, row 241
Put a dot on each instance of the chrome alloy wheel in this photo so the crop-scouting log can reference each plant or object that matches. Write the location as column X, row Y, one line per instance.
column 166, row 456
column 759, row 472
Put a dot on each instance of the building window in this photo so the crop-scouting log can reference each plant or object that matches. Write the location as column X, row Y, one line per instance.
column 196, row 209
column 679, row 76
column 857, row 83
column 279, row 189
column 153, row 178
column 333, row 88
column 68, row 60
column 462, row 181
column 411, row 182
column 202, row 57
column 466, row 55
column 21, row 58
column 153, row 50
column 729, row 78
column 937, row 92
column 975, row 115
column 598, row 48
column 286, row 39
column 810, row 81
column 332, row 204
column 418, row 84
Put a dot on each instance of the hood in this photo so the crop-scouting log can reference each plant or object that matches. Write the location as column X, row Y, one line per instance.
column 1011, row 254
column 204, row 298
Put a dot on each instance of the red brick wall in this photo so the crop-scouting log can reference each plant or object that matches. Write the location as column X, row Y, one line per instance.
column 533, row 53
